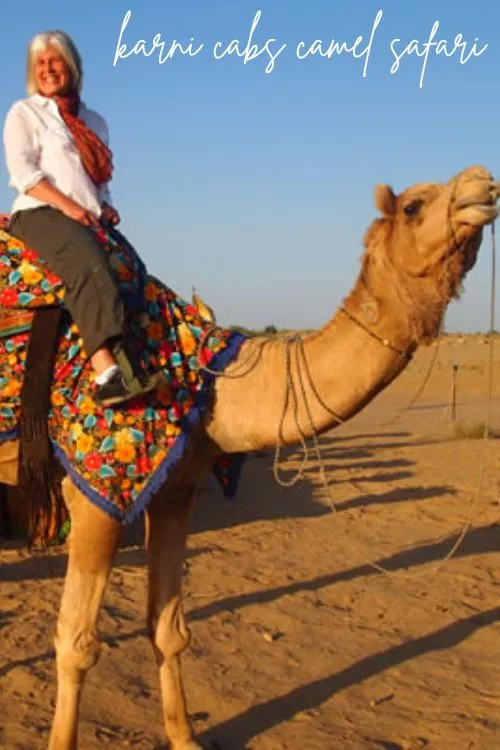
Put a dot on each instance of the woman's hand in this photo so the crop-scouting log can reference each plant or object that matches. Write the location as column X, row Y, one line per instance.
column 80, row 214
column 45, row 192
column 110, row 215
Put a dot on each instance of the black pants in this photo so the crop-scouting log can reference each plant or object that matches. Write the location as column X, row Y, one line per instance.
column 73, row 253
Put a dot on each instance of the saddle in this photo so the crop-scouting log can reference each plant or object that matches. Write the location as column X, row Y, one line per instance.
column 30, row 307
column 13, row 322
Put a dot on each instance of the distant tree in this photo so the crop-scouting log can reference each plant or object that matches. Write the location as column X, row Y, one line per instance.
column 270, row 329
column 241, row 329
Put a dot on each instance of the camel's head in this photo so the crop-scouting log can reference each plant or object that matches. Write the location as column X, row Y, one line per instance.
column 435, row 229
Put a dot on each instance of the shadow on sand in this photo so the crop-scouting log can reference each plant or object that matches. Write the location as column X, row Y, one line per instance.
column 261, row 498
column 239, row 730
column 236, row 732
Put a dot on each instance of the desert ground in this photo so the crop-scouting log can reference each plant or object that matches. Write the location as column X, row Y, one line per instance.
column 298, row 641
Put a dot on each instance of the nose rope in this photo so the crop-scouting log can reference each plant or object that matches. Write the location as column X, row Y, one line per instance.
column 492, row 326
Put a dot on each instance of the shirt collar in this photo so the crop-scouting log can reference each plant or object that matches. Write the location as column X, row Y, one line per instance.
column 45, row 101
column 42, row 100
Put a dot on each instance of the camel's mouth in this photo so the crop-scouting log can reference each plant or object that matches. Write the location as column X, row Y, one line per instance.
column 470, row 251
column 479, row 208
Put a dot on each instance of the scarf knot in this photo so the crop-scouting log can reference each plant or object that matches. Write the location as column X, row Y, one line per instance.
column 96, row 157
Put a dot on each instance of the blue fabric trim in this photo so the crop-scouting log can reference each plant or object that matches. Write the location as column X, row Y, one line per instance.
column 218, row 363
column 9, row 435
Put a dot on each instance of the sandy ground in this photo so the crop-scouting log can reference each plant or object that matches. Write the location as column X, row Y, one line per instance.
column 298, row 643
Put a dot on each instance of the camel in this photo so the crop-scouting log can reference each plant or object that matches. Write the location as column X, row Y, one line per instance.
column 417, row 253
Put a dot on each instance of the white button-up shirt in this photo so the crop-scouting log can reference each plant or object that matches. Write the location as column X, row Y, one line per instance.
column 38, row 145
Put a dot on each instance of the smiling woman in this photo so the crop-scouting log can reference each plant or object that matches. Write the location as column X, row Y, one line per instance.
column 49, row 73
column 59, row 162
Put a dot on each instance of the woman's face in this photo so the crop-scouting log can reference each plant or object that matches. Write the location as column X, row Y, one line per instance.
column 52, row 74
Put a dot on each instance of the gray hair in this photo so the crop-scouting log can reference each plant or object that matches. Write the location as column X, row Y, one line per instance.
column 66, row 46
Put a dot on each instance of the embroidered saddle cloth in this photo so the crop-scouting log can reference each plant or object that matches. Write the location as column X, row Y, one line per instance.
column 117, row 457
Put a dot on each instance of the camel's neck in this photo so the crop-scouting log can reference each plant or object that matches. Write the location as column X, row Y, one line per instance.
column 343, row 367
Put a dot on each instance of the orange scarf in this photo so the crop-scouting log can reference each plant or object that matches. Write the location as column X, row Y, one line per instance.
column 96, row 157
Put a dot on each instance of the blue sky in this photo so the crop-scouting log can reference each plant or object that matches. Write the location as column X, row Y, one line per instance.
column 257, row 188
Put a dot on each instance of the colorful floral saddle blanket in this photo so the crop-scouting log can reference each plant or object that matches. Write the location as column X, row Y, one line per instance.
column 117, row 457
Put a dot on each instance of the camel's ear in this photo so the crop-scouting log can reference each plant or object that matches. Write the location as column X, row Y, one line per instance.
column 385, row 200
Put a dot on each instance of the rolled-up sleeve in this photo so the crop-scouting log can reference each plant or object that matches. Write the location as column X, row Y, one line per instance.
column 22, row 153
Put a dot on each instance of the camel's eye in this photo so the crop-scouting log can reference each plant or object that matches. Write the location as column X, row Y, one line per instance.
column 412, row 208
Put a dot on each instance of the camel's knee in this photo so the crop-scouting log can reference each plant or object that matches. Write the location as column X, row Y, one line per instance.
column 169, row 633
column 76, row 652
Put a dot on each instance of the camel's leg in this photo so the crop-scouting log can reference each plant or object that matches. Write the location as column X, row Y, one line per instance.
column 93, row 542
column 9, row 462
column 166, row 534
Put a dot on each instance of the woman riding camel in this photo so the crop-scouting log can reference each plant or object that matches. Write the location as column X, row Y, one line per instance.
column 58, row 160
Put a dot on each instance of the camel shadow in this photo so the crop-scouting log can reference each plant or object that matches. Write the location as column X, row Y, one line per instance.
column 44, row 566
column 239, row 730
column 330, row 451
column 261, row 498
column 343, row 438
column 32, row 661
column 480, row 540
column 397, row 496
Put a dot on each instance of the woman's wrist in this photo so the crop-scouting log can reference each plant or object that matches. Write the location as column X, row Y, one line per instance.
column 47, row 193
column 65, row 203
